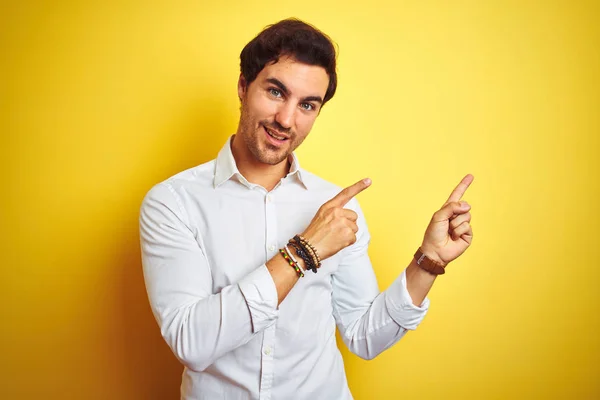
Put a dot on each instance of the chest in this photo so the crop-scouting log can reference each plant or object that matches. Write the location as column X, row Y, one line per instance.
column 238, row 232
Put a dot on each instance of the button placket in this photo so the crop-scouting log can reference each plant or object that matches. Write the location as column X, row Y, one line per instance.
column 268, row 343
column 266, row 376
column 271, row 227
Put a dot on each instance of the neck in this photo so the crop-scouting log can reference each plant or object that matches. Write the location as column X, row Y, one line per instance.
column 254, row 171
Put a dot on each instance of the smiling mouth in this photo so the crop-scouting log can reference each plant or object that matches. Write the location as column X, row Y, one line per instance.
column 275, row 135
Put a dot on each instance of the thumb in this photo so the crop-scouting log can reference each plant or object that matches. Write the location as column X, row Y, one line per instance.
column 450, row 209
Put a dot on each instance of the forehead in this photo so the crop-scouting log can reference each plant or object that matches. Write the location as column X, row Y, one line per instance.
column 301, row 79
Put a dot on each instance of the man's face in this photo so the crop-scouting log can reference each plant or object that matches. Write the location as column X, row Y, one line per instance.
column 279, row 108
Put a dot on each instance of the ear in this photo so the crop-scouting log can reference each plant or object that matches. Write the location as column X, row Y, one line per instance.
column 242, row 87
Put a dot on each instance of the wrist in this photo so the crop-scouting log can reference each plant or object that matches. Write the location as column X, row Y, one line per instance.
column 428, row 264
column 307, row 252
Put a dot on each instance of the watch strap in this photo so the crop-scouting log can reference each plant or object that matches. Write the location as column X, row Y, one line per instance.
column 427, row 264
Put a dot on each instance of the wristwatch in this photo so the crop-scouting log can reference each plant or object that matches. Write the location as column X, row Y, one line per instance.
column 427, row 264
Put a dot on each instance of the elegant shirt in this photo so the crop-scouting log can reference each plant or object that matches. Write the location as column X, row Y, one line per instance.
column 206, row 234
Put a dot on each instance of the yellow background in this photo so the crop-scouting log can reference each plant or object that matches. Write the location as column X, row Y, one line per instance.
column 100, row 100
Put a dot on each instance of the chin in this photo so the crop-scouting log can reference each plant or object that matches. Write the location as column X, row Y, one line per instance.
column 272, row 159
column 271, row 156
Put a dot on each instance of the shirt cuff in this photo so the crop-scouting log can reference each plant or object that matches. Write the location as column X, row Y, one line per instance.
column 401, row 307
column 260, row 293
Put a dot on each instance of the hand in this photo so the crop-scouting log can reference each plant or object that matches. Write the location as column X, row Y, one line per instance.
column 449, row 233
column 334, row 227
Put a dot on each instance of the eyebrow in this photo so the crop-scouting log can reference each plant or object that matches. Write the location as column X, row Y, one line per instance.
column 286, row 91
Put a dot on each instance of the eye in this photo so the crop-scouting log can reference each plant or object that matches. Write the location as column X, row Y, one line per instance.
column 275, row 92
column 307, row 106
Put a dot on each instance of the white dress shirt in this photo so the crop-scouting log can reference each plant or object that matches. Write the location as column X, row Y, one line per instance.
column 206, row 234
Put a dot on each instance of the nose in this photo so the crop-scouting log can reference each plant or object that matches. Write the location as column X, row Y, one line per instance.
column 285, row 115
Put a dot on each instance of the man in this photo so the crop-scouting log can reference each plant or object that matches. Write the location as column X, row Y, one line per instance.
column 230, row 247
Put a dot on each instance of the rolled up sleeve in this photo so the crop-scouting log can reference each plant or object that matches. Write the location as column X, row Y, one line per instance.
column 400, row 305
column 260, row 293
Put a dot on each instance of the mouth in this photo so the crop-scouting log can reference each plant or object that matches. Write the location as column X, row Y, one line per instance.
column 275, row 136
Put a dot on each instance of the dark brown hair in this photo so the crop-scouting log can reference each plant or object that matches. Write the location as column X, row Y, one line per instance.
column 294, row 38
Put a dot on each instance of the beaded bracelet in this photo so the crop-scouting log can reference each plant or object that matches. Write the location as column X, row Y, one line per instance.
column 304, row 255
column 289, row 253
column 311, row 249
column 313, row 256
column 292, row 264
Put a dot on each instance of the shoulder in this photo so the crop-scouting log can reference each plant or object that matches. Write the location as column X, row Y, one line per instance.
column 198, row 176
column 170, row 190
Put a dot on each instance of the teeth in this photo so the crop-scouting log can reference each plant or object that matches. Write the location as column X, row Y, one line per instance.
column 274, row 136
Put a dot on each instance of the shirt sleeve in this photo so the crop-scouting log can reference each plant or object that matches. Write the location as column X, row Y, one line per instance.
column 198, row 325
column 370, row 321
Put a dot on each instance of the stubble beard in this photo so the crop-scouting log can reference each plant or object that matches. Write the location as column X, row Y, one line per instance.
column 252, row 133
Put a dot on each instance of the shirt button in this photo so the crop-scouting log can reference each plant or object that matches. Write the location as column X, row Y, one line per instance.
column 267, row 351
column 269, row 198
column 271, row 248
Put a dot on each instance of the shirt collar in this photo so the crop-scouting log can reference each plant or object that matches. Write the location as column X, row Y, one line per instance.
column 226, row 168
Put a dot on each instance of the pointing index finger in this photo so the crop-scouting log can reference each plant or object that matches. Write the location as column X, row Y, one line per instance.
column 460, row 190
column 348, row 193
